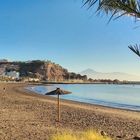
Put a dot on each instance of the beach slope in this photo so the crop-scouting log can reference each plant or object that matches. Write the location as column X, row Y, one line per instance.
column 26, row 115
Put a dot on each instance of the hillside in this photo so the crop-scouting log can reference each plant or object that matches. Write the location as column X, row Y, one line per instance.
column 43, row 70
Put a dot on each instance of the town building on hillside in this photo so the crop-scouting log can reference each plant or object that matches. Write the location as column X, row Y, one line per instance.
column 33, row 79
column 28, row 79
column 2, row 71
column 13, row 74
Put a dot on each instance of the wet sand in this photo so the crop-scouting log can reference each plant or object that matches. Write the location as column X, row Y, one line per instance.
column 25, row 115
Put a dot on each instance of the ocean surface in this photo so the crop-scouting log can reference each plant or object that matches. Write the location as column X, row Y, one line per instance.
column 117, row 96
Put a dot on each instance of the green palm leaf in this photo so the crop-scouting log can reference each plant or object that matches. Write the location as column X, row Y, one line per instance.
column 117, row 7
column 135, row 49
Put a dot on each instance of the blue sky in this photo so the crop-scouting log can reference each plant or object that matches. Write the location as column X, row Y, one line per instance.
column 63, row 32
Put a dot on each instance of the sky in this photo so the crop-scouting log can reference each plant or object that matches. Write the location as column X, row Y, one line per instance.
column 68, row 34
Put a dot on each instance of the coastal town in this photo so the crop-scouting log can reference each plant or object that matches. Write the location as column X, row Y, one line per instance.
column 8, row 71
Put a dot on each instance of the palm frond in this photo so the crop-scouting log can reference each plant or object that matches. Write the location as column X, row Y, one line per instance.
column 135, row 49
column 116, row 7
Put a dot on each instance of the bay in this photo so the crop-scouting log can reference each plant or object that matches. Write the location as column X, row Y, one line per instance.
column 111, row 95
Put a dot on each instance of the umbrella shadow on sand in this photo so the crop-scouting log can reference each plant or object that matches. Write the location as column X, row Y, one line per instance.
column 58, row 92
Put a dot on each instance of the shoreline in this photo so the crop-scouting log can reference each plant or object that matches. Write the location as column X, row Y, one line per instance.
column 90, row 105
column 108, row 83
column 29, row 109
column 86, row 103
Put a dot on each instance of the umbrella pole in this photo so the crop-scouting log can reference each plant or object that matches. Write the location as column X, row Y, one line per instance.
column 58, row 109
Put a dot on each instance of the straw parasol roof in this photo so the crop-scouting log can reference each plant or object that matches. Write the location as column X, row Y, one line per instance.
column 58, row 92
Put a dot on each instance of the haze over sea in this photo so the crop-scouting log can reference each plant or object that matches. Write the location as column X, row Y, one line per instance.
column 117, row 96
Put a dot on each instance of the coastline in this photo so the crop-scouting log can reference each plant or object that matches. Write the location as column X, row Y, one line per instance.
column 27, row 110
column 89, row 106
column 88, row 100
column 118, row 83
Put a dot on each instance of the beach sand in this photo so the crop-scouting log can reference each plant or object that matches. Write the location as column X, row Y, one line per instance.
column 25, row 115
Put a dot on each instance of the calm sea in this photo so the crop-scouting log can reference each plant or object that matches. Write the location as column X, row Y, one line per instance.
column 117, row 96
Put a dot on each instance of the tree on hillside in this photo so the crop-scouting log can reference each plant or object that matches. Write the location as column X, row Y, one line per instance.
column 118, row 8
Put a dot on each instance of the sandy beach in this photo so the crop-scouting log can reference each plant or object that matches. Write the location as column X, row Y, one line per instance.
column 25, row 115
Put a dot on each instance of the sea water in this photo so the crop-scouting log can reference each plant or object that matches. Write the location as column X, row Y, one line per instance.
column 117, row 96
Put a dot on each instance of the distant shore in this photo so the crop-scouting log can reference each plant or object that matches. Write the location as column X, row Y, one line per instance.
column 119, row 83
column 26, row 115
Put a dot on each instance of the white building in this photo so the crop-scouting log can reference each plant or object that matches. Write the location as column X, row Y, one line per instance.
column 2, row 71
column 13, row 74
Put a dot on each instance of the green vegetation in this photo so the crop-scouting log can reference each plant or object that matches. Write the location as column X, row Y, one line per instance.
column 117, row 8
column 31, row 66
column 87, row 135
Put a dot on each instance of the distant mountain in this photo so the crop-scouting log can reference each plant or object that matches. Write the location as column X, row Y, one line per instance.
column 89, row 71
column 113, row 75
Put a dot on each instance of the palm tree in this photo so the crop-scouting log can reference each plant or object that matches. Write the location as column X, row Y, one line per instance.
column 118, row 8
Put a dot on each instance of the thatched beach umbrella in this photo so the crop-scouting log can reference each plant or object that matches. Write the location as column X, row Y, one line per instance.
column 58, row 92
